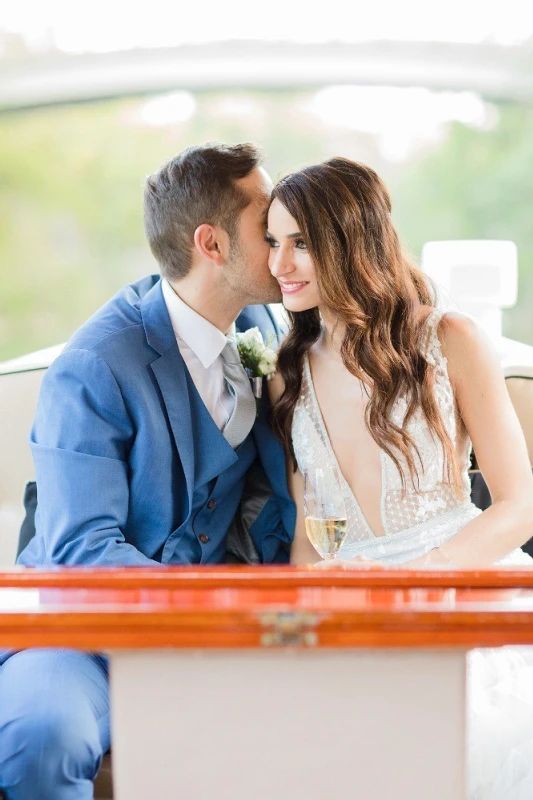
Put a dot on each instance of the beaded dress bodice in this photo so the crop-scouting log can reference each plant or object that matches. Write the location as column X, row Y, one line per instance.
column 416, row 510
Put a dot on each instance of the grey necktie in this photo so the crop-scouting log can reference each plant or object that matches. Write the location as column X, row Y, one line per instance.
column 242, row 419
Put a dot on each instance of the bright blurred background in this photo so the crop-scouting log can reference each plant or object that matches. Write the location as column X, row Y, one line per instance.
column 437, row 98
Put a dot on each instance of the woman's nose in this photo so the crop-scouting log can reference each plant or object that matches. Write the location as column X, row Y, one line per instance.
column 279, row 264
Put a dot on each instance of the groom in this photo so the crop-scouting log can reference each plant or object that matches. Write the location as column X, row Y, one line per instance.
column 145, row 432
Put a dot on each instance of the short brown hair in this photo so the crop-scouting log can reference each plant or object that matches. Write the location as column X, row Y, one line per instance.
column 195, row 187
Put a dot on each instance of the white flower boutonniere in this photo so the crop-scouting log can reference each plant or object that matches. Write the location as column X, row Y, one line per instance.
column 258, row 358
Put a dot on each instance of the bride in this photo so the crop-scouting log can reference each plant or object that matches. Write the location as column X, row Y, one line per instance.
column 375, row 380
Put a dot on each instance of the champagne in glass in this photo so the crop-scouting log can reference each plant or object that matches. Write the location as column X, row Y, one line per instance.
column 326, row 535
column 325, row 513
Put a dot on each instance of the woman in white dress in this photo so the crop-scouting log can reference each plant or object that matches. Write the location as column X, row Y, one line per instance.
column 376, row 381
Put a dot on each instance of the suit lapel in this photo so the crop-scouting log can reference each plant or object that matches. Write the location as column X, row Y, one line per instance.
column 170, row 373
column 203, row 451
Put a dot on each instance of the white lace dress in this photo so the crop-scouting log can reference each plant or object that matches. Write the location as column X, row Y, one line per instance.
column 500, row 679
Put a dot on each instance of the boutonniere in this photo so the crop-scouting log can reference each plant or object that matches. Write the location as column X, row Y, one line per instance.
column 258, row 359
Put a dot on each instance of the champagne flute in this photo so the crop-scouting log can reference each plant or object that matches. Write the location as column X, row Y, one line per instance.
column 325, row 512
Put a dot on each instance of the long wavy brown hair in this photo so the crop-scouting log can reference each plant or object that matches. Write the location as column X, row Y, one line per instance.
column 372, row 287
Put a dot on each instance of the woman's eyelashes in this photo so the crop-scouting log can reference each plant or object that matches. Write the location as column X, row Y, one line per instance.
column 299, row 244
column 271, row 241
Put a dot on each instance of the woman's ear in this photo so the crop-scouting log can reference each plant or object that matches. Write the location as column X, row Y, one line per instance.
column 212, row 243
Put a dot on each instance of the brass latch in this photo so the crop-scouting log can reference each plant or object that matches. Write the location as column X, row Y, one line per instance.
column 289, row 629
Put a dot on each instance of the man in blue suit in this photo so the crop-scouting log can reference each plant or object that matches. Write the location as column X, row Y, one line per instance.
column 144, row 436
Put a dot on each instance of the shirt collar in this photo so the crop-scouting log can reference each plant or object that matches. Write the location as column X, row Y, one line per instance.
column 204, row 339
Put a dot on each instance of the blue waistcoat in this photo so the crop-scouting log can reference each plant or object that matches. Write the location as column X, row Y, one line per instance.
column 200, row 539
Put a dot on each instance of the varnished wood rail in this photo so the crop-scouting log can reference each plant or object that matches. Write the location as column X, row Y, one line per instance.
column 263, row 577
column 103, row 609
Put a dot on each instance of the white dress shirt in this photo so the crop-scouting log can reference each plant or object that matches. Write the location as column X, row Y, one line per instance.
column 201, row 344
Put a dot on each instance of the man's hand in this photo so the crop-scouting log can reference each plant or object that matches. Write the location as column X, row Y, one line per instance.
column 359, row 562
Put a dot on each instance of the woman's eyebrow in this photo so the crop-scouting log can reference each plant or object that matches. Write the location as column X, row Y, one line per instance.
column 296, row 235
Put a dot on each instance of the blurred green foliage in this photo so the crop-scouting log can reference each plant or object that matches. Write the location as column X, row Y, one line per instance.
column 477, row 185
column 71, row 195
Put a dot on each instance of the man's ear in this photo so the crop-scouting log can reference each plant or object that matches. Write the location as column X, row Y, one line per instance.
column 212, row 243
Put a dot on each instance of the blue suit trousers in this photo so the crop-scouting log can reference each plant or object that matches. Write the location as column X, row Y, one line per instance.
column 54, row 723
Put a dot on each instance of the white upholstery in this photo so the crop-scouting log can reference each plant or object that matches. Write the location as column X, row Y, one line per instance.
column 18, row 400
column 521, row 393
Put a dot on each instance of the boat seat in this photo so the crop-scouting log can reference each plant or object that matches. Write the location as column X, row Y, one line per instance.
column 520, row 390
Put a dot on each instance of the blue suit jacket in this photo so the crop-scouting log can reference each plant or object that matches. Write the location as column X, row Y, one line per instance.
column 118, row 451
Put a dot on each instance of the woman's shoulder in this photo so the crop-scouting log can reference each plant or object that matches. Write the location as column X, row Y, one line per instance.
column 466, row 346
column 452, row 327
column 454, row 335
column 458, row 331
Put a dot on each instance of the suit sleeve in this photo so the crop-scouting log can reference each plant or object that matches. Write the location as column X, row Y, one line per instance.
column 80, row 442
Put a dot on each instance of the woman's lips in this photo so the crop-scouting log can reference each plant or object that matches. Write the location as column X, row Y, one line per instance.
column 292, row 287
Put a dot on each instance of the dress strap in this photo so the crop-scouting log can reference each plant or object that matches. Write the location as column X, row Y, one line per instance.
column 306, row 373
column 433, row 349
column 436, row 358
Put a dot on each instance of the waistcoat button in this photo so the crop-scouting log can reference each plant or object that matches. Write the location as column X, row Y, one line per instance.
column 204, row 538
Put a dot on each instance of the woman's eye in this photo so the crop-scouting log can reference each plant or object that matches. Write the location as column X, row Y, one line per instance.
column 300, row 244
column 271, row 242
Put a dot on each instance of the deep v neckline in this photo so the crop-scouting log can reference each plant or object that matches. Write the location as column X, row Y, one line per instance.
column 329, row 447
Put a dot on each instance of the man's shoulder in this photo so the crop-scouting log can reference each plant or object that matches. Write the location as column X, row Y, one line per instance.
column 118, row 323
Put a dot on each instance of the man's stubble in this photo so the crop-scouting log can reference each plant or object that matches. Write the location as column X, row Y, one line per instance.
column 243, row 282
